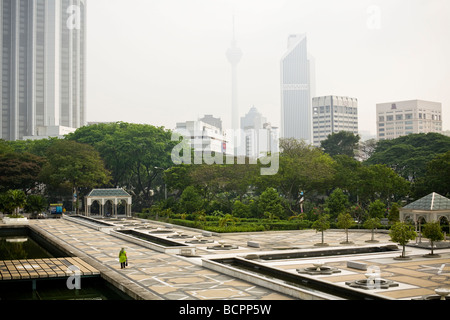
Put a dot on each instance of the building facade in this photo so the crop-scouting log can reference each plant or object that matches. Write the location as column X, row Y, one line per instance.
column 260, row 137
column 332, row 114
column 396, row 119
column 297, row 89
column 43, row 67
column 204, row 137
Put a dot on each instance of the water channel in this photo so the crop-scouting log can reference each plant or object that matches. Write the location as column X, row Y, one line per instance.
column 21, row 244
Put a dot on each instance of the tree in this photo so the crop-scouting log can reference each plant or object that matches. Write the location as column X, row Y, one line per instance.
column 433, row 232
column 402, row 233
column 372, row 223
column 74, row 165
column 321, row 225
column 133, row 153
column 341, row 143
column 377, row 209
column 436, row 177
column 190, row 201
column 12, row 201
column 394, row 213
column 35, row 204
column 270, row 203
column 19, row 171
column 337, row 203
column 345, row 221
column 241, row 210
column 302, row 168
column 408, row 155
column 177, row 178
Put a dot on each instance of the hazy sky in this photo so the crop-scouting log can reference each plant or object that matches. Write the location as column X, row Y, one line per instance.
column 163, row 61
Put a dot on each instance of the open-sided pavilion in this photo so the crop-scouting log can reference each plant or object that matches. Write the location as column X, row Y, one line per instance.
column 430, row 208
column 103, row 196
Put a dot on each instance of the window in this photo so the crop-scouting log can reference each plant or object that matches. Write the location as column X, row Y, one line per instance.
column 390, row 118
column 399, row 117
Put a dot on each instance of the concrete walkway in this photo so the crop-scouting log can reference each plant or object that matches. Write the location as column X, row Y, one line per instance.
column 150, row 275
column 154, row 275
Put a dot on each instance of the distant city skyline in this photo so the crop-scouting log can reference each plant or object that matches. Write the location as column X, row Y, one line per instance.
column 162, row 62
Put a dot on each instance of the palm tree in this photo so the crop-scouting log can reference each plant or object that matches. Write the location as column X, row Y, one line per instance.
column 18, row 200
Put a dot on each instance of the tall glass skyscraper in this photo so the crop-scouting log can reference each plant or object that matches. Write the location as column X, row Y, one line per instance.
column 297, row 89
column 43, row 64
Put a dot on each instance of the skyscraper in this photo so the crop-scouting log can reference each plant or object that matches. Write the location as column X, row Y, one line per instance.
column 234, row 55
column 43, row 63
column 297, row 84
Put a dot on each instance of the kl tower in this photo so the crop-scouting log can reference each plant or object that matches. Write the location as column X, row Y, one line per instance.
column 234, row 55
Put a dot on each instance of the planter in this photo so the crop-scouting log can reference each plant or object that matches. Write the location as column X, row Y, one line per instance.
column 10, row 221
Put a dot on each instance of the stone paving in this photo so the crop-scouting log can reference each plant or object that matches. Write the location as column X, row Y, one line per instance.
column 157, row 275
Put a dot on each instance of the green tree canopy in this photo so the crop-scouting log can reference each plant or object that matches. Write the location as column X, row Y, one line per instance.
column 20, row 171
column 302, row 168
column 270, row 203
column 409, row 155
column 433, row 232
column 322, row 224
column 341, row 143
column 436, row 178
column 134, row 154
column 336, row 203
column 74, row 165
column 345, row 221
column 12, row 201
column 402, row 233
column 377, row 209
column 191, row 201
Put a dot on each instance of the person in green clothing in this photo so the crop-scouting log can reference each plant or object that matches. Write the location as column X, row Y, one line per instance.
column 123, row 258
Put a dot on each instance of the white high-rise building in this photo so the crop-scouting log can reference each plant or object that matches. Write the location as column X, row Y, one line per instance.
column 297, row 89
column 396, row 119
column 203, row 136
column 332, row 114
column 43, row 67
column 260, row 138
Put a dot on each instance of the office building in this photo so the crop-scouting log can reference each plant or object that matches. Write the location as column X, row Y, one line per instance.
column 203, row 137
column 43, row 67
column 332, row 114
column 297, row 90
column 396, row 119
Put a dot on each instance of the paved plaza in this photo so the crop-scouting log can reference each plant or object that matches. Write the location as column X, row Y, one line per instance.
column 153, row 275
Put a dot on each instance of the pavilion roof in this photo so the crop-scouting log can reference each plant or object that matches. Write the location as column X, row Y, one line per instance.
column 118, row 192
column 431, row 202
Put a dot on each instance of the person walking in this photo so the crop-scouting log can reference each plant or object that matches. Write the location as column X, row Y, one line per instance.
column 123, row 258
